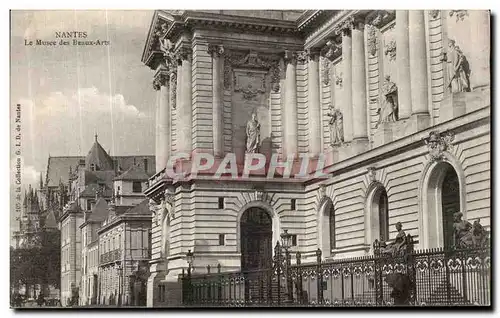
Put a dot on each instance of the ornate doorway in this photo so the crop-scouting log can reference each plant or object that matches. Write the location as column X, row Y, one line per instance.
column 450, row 201
column 256, row 239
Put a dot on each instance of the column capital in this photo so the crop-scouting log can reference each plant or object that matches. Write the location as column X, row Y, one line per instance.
column 332, row 49
column 345, row 26
column 379, row 18
column 215, row 50
column 290, row 57
column 184, row 54
column 161, row 78
column 312, row 53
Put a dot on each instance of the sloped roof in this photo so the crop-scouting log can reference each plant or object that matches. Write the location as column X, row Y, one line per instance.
column 125, row 162
column 50, row 221
column 134, row 173
column 100, row 176
column 99, row 157
column 58, row 169
column 90, row 191
column 100, row 211
column 141, row 208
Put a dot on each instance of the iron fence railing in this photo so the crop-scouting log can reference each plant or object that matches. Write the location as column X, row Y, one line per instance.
column 435, row 277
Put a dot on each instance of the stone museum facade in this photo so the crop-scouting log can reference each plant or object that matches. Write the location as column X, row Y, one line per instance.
column 398, row 102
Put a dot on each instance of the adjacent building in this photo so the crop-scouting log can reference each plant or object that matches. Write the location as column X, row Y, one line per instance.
column 397, row 101
column 82, row 182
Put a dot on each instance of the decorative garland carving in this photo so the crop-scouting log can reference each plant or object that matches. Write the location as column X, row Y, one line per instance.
column 339, row 80
column 250, row 92
column 252, row 60
column 372, row 41
column 439, row 143
column 326, row 71
column 390, row 50
column 173, row 91
column 460, row 14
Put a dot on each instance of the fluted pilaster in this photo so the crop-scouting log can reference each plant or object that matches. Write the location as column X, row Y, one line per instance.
column 216, row 51
column 314, row 103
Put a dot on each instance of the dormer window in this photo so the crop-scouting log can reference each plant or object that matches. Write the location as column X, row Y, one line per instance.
column 136, row 187
column 92, row 167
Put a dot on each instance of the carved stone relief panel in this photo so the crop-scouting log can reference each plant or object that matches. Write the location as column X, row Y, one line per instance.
column 249, row 83
column 389, row 50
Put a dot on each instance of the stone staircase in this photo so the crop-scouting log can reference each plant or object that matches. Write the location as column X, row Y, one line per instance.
column 439, row 296
column 260, row 292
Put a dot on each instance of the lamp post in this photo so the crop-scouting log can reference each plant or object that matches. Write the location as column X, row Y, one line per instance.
column 286, row 242
column 189, row 259
column 119, row 271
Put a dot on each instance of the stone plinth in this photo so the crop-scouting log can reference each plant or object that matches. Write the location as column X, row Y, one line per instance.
column 359, row 146
column 477, row 99
column 412, row 125
column 343, row 152
column 383, row 134
column 156, row 276
column 452, row 106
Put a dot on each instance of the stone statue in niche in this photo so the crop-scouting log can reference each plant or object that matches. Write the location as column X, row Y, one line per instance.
column 458, row 69
column 336, row 127
column 388, row 112
column 253, row 134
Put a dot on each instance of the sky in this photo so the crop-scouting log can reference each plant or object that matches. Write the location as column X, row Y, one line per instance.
column 70, row 93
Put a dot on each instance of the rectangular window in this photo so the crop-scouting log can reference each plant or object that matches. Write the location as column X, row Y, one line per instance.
column 136, row 187
column 294, row 239
column 146, row 165
column 293, row 205
column 222, row 239
column 221, row 203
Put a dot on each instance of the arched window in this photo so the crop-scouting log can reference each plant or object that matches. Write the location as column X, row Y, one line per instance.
column 442, row 195
column 326, row 228
column 333, row 241
column 377, row 214
column 383, row 216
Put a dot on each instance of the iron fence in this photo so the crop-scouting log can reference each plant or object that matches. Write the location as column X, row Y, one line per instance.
column 435, row 277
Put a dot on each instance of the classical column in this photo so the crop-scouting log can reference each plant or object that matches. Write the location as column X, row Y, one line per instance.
column 480, row 54
column 163, row 120
column 184, row 126
column 156, row 87
column 359, row 105
column 290, row 104
column 216, row 52
column 315, row 124
column 418, row 62
column 178, row 101
column 403, row 64
column 346, row 82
